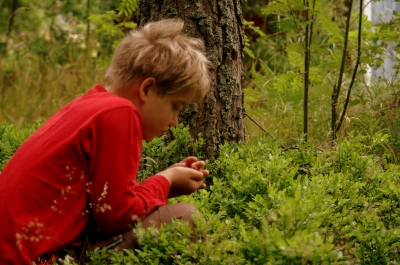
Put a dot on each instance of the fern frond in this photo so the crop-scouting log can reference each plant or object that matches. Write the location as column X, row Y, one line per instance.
column 331, row 28
column 261, row 80
column 275, row 7
column 317, row 75
column 289, row 80
column 105, row 23
column 127, row 7
column 130, row 25
column 247, row 49
column 296, row 55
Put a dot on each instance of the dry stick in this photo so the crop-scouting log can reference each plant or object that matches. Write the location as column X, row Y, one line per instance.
column 311, row 26
column 336, row 91
column 355, row 68
column 307, row 56
column 306, row 48
column 52, row 21
column 258, row 125
column 306, row 75
column 14, row 10
column 87, row 28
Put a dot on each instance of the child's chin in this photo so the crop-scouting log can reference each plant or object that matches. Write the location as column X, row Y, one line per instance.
column 149, row 138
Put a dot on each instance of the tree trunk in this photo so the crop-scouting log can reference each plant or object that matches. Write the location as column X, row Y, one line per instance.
column 219, row 118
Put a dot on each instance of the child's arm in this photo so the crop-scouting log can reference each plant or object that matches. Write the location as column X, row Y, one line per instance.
column 117, row 200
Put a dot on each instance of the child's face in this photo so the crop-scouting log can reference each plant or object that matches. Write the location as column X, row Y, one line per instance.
column 159, row 113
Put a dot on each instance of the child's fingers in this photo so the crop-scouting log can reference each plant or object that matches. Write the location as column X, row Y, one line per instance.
column 191, row 162
column 205, row 173
column 198, row 165
column 180, row 164
column 201, row 185
column 188, row 161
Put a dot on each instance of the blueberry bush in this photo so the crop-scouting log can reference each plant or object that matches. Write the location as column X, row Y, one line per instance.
column 270, row 204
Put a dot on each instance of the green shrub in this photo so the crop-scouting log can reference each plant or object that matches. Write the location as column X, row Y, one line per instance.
column 267, row 204
column 11, row 137
column 161, row 153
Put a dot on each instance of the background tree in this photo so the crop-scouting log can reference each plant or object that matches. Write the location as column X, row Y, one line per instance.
column 219, row 23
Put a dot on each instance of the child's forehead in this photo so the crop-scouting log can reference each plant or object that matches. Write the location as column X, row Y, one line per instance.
column 181, row 99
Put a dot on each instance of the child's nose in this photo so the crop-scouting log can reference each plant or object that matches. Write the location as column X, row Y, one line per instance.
column 174, row 121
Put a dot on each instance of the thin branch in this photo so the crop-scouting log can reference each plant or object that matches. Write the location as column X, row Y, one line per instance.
column 14, row 10
column 346, row 40
column 294, row 20
column 312, row 22
column 336, row 90
column 87, row 40
column 355, row 68
column 306, row 74
column 258, row 125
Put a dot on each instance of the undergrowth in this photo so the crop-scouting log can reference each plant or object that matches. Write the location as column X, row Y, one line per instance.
column 270, row 204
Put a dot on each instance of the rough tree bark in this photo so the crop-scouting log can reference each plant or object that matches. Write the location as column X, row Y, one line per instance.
column 219, row 118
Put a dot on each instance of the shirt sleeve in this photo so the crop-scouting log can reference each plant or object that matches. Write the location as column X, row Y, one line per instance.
column 117, row 200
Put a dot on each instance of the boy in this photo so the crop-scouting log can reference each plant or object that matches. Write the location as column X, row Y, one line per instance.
column 77, row 174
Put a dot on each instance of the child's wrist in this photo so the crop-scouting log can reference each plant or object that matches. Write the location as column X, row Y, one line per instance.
column 169, row 178
column 168, row 174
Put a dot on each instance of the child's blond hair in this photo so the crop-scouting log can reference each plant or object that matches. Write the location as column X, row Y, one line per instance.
column 160, row 50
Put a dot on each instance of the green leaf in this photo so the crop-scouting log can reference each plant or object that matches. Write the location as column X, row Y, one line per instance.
column 130, row 25
column 355, row 102
column 330, row 27
column 274, row 7
column 388, row 27
column 249, row 52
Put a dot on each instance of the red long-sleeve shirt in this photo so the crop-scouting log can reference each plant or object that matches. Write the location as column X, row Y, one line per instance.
column 85, row 158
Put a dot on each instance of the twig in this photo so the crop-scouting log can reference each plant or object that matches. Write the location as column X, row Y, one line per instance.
column 346, row 103
column 336, row 90
column 258, row 125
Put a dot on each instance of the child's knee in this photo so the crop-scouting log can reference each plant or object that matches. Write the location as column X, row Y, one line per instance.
column 184, row 211
column 164, row 214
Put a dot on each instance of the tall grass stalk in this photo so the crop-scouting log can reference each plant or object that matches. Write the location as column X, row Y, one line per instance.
column 35, row 87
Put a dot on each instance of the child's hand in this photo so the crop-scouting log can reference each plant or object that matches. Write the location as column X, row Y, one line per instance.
column 192, row 162
column 184, row 180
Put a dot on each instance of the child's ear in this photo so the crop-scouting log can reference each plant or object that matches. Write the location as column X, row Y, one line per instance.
column 147, row 87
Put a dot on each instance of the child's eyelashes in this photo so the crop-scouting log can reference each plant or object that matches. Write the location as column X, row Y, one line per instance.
column 177, row 106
